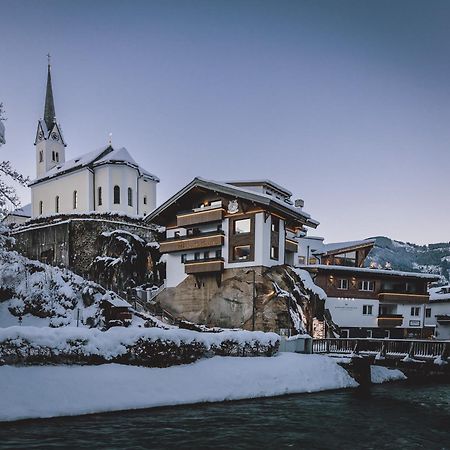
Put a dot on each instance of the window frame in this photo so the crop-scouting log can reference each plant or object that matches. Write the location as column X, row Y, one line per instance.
column 236, row 259
column 367, row 310
column 237, row 221
column 340, row 285
column 130, row 196
column 116, row 195
column 75, row 200
column 99, row 196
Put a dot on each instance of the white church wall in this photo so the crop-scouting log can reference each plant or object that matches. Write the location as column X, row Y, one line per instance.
column 63, row 187
column 125, row 177
column 147, row 189
column 47, row 147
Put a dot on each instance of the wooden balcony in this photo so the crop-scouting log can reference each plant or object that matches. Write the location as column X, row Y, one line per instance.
column 204, row 266
column 199, row 215
column 390, row 320
column 290, row 245
column 395, row 297
column 194, row 242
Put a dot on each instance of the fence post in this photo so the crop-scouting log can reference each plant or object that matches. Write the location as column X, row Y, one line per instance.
column 411, row 351
column 445, row 352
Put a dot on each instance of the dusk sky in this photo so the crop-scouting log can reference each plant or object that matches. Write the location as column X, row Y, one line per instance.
column 346, row 103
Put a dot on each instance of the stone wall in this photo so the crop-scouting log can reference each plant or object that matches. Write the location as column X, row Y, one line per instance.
column 227, row 301
column 74, row 242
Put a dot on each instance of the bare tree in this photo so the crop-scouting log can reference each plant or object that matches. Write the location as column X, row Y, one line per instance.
column 8, row 194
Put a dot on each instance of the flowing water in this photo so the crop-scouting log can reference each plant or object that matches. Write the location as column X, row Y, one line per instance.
column 395, row 416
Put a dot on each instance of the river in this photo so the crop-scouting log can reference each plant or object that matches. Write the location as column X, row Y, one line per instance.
column 394, row 416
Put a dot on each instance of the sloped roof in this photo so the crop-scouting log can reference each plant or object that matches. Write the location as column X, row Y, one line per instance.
column 368, row 271
column 264, row 182
column 247, row 194
column 335, row 247
column 24, row 211
column 103, row 155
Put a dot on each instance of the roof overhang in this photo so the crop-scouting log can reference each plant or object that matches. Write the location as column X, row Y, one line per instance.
column 233, row 191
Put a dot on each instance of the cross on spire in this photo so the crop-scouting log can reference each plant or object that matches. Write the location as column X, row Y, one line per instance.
column 48, row 58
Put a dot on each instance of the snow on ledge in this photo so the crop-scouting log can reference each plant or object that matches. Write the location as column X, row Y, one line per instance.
column 75, row 390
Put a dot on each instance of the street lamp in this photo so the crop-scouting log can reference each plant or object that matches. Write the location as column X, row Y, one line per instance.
column 254, row 297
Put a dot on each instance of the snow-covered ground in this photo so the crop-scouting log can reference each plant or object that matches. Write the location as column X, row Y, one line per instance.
column 380, row 374
column 45, row 391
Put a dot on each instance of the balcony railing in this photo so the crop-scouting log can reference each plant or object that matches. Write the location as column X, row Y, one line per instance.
column 200, row 215
column 390, row 320
column 397, row 297
column 204, row 265
column 193, row 242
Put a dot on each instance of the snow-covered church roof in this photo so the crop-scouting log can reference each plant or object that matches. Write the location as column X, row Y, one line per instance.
column 24, row 211
column 104, row 155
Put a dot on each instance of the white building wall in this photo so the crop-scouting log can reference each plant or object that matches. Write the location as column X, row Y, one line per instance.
column 174, row 270
column 348, row 312
column 64, row 187
column 147, row 188
column 47, row 147
column 442, row 331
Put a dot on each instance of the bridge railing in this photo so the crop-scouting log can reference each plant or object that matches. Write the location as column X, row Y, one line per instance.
column 394, row 348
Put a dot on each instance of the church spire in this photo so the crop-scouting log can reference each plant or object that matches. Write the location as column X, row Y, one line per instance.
column 49, row 110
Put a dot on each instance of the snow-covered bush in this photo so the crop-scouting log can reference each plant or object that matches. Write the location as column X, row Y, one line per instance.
column 151, row 347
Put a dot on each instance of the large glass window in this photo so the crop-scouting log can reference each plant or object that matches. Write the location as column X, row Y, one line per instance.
column 274, row 252
column 116, row 195
column 275, row 224
column 241, row 252
column 242, row 226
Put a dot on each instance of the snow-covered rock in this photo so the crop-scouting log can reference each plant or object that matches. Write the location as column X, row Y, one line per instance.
column 380, row 374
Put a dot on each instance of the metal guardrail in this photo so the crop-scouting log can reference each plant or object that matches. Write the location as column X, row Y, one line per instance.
column 389, row 348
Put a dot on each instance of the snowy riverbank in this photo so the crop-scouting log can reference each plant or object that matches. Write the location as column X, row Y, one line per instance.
column 46, row 391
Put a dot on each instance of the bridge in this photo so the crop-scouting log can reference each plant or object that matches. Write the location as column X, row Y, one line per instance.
column 396, row 349
column 417, row 359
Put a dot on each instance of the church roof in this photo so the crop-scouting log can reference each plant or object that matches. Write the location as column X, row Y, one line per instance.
column 103, row 155
column 23, row 211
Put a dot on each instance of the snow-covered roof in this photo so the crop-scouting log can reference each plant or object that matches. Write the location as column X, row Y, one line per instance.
column 342, row 246
column 24, row 211
column 116, row 301
column 248, row 194
column 440, row 294
column 266, row 182
column 103, row 155
column 367, row 270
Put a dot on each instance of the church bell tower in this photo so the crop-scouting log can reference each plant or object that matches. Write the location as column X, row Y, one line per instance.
column 49, row 142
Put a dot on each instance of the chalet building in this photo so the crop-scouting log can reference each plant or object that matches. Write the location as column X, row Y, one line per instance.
column 212, row 227
column 368, row 302
column 437, row 313
column 104, row 180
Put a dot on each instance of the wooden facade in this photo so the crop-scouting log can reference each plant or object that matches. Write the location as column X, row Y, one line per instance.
column 204, row 266
column 200, row 241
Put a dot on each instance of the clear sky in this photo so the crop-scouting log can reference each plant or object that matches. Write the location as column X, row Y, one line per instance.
column 346, row 103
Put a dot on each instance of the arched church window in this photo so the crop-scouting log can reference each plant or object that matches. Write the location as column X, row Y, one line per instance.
column 75, row 199
column 100, row 199
column 41, row 156
column 116, row 195
column 57, row 204
column 57, row 157
column 145, row 199
column 53, row 156
column 130, row 197
column 41, row 207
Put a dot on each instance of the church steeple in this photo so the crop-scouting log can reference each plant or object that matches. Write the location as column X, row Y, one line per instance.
column 49, row 142
column 49, row 110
